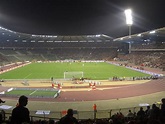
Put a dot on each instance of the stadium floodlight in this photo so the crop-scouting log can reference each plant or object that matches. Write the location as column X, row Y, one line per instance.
column 139, row 35
column 129, row 21
column 152, row 32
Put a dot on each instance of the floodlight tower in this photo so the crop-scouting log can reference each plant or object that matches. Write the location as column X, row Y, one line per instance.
column 129, row 21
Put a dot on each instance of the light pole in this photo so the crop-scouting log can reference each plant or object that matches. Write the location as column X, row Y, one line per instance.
column 129, row 22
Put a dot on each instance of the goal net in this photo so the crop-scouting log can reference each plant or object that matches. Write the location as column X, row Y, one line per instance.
column 72, row 75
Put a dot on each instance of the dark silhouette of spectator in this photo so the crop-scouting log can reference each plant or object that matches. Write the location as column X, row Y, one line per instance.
column 2, row 116
column 20, row 113
column 155, row 113
column 130, row 114
column 2, row 101
column 147, row 111
column 68, row 118
column 162, row 110
column 140, row 114
column 51, row 121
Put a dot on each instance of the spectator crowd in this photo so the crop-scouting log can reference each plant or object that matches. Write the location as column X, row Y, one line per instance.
column 151, row 115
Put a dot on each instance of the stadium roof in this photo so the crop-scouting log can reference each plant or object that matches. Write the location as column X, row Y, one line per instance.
column 148, row 36
column 7, row 35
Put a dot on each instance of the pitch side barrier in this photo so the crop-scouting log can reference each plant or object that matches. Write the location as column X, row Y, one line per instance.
column 81, row 115
column 40, row 80
column 153, row 75
column 133, row 78
column 26, row 82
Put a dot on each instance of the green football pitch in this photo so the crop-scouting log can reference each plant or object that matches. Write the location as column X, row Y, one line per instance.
column 92, row 70
column 32, row 92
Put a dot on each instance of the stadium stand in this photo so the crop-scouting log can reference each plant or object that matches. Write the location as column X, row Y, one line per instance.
column 19, row 47
column 144, row 115
column 16, row 47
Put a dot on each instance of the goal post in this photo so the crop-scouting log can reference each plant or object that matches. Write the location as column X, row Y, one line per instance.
column 71, row 75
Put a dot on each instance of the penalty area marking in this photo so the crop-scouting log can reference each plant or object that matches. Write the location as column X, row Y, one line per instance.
column 33, row 92
column 28, row 75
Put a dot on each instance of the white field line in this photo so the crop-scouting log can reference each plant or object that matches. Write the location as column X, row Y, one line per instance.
column 33, row 92
column 28, row 75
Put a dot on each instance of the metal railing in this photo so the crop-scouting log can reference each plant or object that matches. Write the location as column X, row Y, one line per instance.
column 81, row 115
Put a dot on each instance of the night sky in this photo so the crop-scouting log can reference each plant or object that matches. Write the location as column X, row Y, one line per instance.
column 81, row 17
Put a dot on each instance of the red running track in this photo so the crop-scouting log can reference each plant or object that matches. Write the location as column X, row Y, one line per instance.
column 107, row 94
column 115, row 93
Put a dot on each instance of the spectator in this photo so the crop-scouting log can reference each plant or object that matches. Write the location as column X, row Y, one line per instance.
column 20, row 113
column 162, row 110
column 155, row 113
column 68, row 118
column 130, row 114
column 2, row 116
column 147, row 111
column 51, row 121
column 141, row 114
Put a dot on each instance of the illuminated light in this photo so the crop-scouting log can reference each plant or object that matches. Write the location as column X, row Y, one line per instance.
column 152, row 32
column 49, row 36
column 128, row 14
column 7, row 30
column 139, row 35
column 90, row 41
column 98, row 35
column 99, row 40
column 74, row 41
column 121, row 38
column 49, row 41
column 41, row 41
